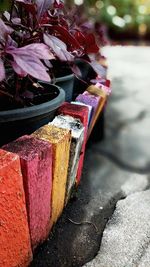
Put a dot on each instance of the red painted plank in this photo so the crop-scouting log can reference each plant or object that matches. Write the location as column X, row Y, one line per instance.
column 79, row 112
column 36, row 164
column 15, row 247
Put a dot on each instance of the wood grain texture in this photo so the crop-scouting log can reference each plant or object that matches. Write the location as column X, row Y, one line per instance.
column 60, row 140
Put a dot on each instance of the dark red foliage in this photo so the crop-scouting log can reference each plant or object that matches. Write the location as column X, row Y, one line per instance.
column 58, row 4
column 38, row 31
column 88, row 42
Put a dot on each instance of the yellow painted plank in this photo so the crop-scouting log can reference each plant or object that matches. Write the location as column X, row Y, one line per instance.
column 60, row 140
column 96, row 115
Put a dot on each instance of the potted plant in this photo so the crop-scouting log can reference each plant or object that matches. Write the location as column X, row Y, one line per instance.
column 80, row 38
column 36, row 41
column 57, row 38
column 25, row 103
column 73, row 46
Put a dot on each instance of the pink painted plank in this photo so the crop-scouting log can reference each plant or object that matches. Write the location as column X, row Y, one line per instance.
column 36, row 165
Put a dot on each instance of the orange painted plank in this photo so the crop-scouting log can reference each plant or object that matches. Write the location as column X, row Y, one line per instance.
column 60, row 140
column 15, row 247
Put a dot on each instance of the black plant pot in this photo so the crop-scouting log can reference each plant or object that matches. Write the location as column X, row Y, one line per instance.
column 67, row 84
column 17, row 122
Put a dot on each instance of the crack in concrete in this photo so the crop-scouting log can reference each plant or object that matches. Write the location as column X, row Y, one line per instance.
column 121, row 164
column 123, row 124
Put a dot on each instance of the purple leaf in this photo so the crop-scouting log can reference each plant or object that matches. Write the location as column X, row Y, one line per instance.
column 4, row 30
column 98, row 69
column 11, row 42
column 42, row 6
column 27, row 62
column 24, row 1
column 33, row 66
column 52, row 40
column 16, row 21
column 2, row 71
column 18, row 70
column 6, row 14
column 59, row 47
column 48, row 63
column 40, row 51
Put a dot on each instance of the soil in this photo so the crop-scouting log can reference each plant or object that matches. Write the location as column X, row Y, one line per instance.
column 34, row 96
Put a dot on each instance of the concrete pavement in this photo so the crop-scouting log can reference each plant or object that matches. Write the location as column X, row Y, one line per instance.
column 114, row 169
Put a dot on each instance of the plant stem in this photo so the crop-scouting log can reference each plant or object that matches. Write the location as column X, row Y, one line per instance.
column 5, row 93
column 11, row 9
column 17, row 85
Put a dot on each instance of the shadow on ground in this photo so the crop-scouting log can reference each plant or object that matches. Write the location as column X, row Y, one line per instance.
column 76, row 237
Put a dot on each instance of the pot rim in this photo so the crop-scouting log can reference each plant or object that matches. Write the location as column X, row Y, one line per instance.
column 34, row 111
column 63, row 78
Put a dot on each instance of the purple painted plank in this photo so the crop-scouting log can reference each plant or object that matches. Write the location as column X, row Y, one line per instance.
column 89, row 99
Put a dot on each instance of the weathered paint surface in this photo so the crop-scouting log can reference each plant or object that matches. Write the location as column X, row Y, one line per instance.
column 60, row 140
column 89, row 109
column 77, row 133
column 79, row 112
column 89, row 99
column 93, row 90
column 15, row 247
column 36, row 165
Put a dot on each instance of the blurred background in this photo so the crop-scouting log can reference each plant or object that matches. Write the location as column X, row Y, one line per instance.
column 119, row 19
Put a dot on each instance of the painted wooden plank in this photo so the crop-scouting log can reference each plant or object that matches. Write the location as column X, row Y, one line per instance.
column 89, row 109
column 60, row 140
column 102, row 93
column 79, row 112
column 77, row 134
column 98, row 91
column 36, row 165
column 15, row 246
column 89, row 99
